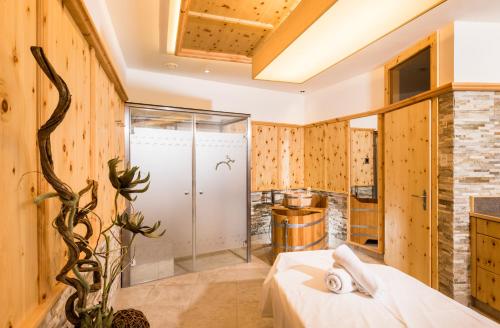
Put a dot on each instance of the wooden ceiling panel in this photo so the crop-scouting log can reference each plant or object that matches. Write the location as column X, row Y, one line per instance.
column 228, row 29
column 266, row 11
column 215, row 36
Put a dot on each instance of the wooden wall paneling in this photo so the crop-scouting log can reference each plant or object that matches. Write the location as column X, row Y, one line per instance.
column 362, row 149
column 264, row 172
column 434, row 192
column 381, row 182
column 337, row 157
column 291, row 157
column 18, row 162
column 102, row 138
column 314, row 161
column 69, row 53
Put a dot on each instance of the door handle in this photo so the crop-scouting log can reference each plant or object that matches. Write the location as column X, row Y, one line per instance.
column 424, row 199
column 201, row 192
column 186, row 193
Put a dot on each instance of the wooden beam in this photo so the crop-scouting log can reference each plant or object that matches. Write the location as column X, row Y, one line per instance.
column 83, row 20
column 192, row 53
column 231, row 20
column 304, row 15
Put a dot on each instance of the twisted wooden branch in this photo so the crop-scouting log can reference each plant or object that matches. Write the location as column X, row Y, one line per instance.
column 79, row 252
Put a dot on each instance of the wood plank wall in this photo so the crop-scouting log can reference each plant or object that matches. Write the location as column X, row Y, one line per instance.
column 337, row 157
column 292, row 157
column 277, row 156
column 31, row 250
column 314, row 165
column 362, row 149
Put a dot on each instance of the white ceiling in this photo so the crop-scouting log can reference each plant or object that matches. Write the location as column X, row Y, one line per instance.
column 141, row 27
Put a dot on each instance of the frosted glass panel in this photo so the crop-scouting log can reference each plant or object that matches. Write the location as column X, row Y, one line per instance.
column 167, row 155
column 222, row 194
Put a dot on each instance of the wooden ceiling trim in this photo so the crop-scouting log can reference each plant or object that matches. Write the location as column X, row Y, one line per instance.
column 299, row 20
column 182, row 25
column 200, row 54
column 231, row 20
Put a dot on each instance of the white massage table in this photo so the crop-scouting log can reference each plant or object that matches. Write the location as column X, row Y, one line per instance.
column 295, row 295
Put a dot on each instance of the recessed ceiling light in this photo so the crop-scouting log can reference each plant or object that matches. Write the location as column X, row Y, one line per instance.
column 174, row 11
column 171, row 65
column 207, row 71
column 330, row 35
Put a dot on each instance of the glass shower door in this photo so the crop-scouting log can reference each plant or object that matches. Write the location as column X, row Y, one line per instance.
column 221, row 191
column 161, row 143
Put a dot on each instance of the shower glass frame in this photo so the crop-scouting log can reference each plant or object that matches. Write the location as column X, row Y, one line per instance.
column 126, row 273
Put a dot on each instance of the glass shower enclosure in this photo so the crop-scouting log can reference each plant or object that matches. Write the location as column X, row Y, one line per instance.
column 200, row 190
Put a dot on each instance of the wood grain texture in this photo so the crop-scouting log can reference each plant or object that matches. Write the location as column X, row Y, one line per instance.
column 264, row 171
column 291, row 157
column 314, row 162
column 18, row 162
column 362, row 157
column 69, row 53
column 485, row 260
column 337, row 157
column 488, row 288
column 32, row 247
column 236, row 28
column 298, row 236
column 363, row 220
column 407, row 174
column 488, row 253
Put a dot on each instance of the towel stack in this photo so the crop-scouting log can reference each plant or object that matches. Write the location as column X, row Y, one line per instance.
column 349, row 274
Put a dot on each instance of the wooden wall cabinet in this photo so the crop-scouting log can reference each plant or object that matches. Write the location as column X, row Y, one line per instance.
column 485, row 254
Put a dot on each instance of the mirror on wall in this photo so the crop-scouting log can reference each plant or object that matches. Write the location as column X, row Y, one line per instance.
column 365, row 227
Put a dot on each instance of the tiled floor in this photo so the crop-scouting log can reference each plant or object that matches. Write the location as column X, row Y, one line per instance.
column 224, row 297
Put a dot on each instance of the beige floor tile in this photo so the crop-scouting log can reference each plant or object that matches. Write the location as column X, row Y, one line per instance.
column 162, row 316
column 251, row 273
column 249, row 316
column 249, row 291
column 183, row 279
column 215, row 293
column 132, row 297
column 172, row 295
column 210, row 315
column 217, row 276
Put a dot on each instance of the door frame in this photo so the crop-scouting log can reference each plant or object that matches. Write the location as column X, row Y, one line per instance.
column 125, row 277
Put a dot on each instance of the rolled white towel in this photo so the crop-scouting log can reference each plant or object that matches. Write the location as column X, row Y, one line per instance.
column 361, row 274
column 339, row 281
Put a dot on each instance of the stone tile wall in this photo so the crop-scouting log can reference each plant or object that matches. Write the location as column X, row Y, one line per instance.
column 261, row 216
column 469, row 165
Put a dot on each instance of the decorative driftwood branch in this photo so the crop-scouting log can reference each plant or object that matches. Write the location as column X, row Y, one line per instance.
column 79, row 252
column 82, row 259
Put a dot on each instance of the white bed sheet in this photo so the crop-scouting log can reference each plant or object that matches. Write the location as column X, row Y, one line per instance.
column 295, row 295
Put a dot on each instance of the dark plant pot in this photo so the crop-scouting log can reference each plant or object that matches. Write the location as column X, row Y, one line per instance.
column 130, row 318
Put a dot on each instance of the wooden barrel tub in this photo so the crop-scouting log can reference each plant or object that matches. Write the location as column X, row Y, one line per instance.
column 298, row 230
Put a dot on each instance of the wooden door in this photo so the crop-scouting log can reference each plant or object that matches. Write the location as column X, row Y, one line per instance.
column 407, row 135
